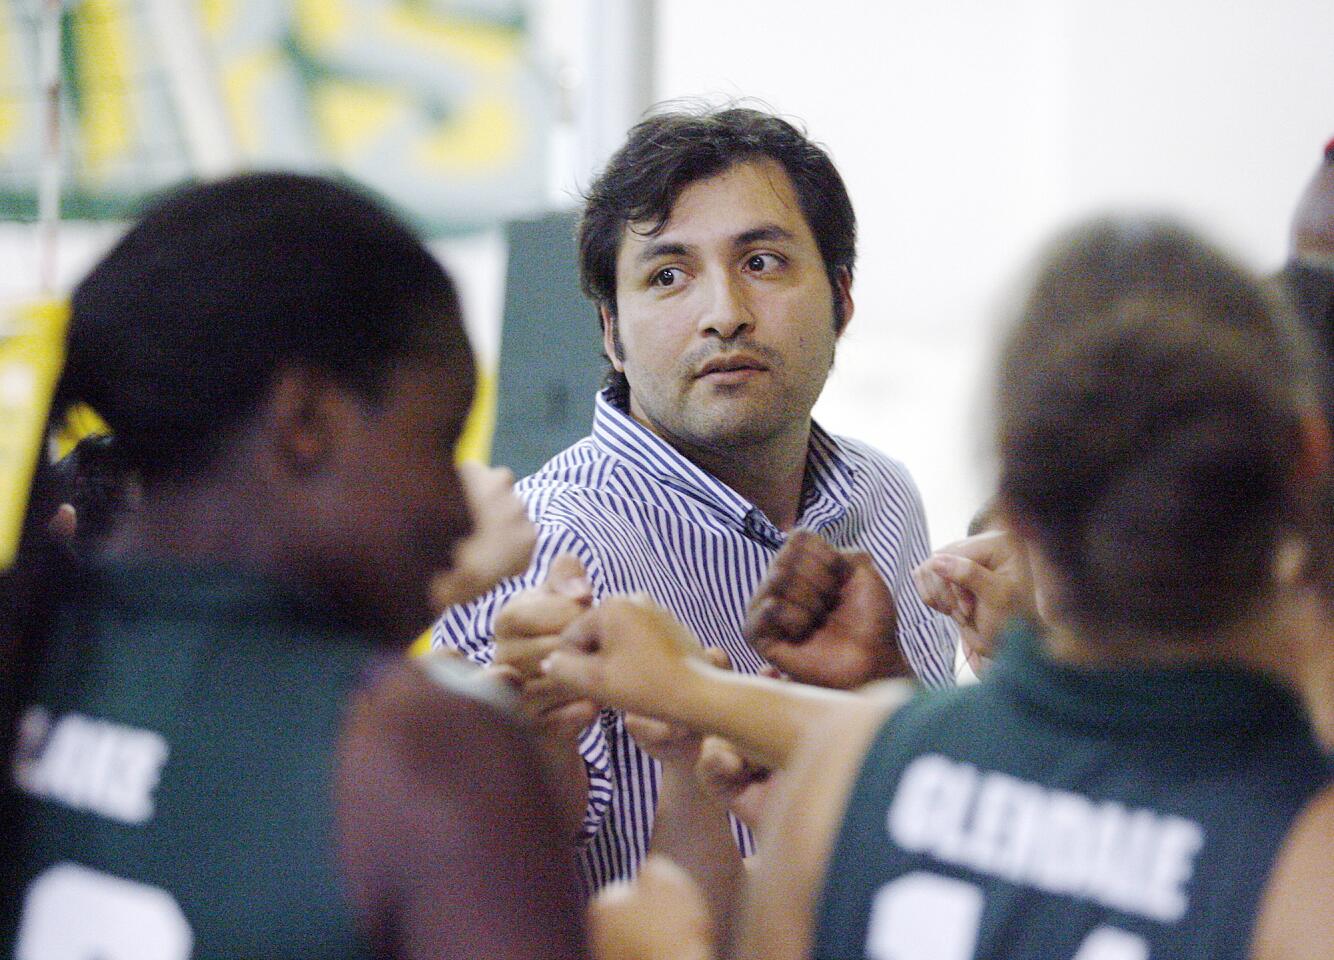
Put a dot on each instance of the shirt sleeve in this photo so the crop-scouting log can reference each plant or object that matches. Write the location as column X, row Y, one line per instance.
column 446, row 833
column 469, row 629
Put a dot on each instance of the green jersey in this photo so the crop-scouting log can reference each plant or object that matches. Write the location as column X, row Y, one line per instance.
column 208, row 769
column 1067, row 814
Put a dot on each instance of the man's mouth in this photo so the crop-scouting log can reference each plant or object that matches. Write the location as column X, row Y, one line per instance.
column 731, row 368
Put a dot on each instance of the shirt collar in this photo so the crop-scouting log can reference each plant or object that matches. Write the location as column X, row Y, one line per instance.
column 1201, row 704
column 829, row 473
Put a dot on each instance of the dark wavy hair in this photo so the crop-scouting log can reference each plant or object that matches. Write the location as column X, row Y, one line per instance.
column 668, row 152
column 1149, row 410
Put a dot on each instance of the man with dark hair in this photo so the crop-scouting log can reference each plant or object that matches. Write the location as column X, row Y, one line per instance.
column 670, row 151
column 719, row 249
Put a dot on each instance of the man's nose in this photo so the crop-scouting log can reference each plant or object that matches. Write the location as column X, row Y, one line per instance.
column 727, row 313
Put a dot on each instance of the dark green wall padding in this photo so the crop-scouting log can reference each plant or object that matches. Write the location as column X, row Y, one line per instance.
column 551, row 361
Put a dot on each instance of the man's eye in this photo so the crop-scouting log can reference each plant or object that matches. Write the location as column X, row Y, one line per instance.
column 760, row 262
column 665, row 277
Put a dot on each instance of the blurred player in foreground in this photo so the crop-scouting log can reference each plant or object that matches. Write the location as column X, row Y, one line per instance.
column 217, row 747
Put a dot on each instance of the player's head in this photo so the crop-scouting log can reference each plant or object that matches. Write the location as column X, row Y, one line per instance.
column 1155, row 407
column 288, row 328
column 1309, row 273
column 666, row 153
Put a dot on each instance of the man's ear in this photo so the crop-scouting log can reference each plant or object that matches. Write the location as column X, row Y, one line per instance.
column 843, row 296
column 310, row 415
column 610, row 338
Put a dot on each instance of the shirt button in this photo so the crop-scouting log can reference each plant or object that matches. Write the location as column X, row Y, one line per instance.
column 761, row 529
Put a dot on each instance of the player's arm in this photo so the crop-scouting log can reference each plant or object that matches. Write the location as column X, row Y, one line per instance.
column 662, row 916
column 1295, row 921
column 527, row 629
column 444, row 815
column 631, row 654
column 800, row 828
column 691, row 826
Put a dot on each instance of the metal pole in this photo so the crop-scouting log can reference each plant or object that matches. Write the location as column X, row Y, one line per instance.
column 619, row 82
column 49, row 166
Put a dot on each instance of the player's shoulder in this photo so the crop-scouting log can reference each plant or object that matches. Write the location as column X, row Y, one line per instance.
column 1295, row 922
column 417, row 707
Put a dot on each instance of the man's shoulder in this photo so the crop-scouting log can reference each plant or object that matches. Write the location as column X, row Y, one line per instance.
column 586, row 480
column 580, row 466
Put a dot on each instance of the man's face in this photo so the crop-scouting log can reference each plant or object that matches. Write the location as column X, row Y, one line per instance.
column 401, row 504
column 726, row 316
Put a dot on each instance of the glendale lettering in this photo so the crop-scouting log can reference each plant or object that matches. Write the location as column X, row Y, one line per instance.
column 1134, row 860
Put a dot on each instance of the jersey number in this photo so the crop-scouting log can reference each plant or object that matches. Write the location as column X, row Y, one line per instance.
column 73, row 913
column 922, row 916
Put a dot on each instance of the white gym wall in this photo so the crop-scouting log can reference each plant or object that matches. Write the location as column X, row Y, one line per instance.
column 968, row 130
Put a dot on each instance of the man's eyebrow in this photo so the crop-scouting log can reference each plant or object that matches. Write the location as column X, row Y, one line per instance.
column 769, row 231
column 665, row 248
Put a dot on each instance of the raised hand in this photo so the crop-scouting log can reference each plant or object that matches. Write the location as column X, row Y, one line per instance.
column 502, row 539
column 825, row 617
column 628, row 653
column 661, row 915
column 528, row 628
column 981, row 582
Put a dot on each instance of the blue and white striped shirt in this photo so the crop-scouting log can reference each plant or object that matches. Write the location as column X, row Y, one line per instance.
column 642, row 517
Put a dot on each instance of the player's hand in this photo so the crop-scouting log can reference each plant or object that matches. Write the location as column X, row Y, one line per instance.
column 500, row 545
column 527, row 629
column 825, row 617
column 545, row 713
column 661, row 915
column 669, row 743
column 628, row 653
column 744, row 787
column 981, row 582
